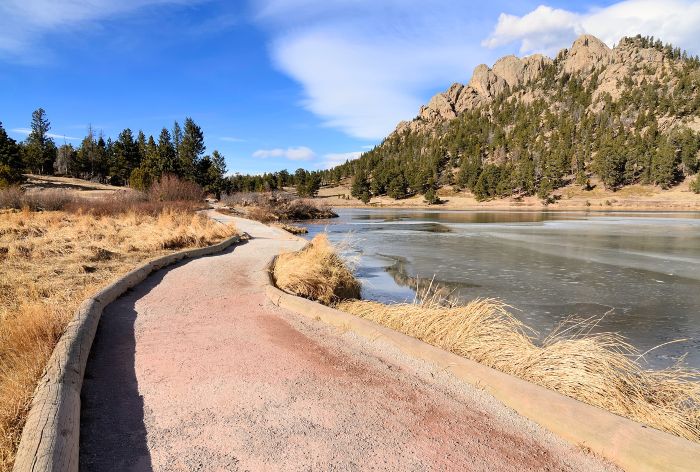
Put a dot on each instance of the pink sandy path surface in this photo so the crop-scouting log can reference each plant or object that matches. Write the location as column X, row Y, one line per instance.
column 195, row 370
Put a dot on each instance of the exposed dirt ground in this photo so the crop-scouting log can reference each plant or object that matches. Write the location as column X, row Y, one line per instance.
column 85, row 188
column 572, row 197
column 195, row 370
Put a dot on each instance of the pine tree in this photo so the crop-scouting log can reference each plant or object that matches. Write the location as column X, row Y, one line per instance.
column 125, row 158
column 87, row 153
column 10, row 160
column 360, row 187
column 39, row 151
column 217, row 171
column 167, row 157
column 177, row 138
column 191, row 149
column 665, row 164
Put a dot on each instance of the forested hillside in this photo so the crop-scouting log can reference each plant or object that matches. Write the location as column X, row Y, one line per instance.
column 528, row 126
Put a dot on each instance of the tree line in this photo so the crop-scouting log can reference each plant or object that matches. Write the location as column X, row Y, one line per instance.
column 137, row 161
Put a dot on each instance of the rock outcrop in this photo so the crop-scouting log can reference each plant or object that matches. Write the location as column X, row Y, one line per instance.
column 511, row 74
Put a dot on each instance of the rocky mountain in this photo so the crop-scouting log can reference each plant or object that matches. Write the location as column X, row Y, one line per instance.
column 638, row 60
column 530, row 125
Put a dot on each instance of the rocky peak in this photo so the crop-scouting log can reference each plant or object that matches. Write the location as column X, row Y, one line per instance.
column 586, row 54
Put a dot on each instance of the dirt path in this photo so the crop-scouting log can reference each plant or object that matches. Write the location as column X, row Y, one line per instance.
column 195, row 370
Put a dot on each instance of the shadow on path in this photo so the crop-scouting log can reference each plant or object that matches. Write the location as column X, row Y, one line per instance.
column 112, row 428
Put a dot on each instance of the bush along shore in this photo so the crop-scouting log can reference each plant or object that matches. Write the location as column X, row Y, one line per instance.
column 600, row 369
column 58, row 248
column 275, row 207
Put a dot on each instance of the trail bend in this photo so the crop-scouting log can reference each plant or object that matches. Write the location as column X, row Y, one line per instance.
column 195, row 370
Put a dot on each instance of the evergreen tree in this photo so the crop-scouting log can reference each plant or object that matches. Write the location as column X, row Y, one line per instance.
column 217, row 171
column 125, row 158
column 10, row 160
column 397, row 187
column 360, row 187
column 177, row 138
column 39, row 151
column 665, row 164
column 191, row 149
column 86, row 156
column 167, row 158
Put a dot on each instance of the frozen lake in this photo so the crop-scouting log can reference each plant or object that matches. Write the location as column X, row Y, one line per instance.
column 643, row 269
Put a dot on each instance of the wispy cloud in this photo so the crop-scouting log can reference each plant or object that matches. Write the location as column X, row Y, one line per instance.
column 24, row 22
column 334, row 159
column 27, row 131
column 546, row 29
column 362, row 67
column 301, row 153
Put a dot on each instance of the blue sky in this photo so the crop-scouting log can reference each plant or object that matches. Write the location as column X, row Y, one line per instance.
column 280, row 83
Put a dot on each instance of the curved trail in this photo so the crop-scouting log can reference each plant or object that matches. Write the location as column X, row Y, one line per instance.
column 195, row 370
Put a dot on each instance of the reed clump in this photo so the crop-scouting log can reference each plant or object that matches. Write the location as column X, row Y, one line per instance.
column 316, row 272
column 52, row 260
column 600, row 369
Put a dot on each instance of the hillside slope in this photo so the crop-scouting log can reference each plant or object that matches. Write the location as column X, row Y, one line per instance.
column 527, row 127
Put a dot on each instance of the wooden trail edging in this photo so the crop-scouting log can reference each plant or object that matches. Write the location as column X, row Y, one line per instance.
column 50, row 438
column 626, row 443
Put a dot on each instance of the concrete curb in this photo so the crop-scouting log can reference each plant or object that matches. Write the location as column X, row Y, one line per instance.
column 51, row 435
column 628, row 444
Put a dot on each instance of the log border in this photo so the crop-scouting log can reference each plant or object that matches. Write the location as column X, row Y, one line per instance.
column 626, row 443
column 50, row 438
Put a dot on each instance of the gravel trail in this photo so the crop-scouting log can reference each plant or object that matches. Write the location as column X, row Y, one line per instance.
column 195, row 370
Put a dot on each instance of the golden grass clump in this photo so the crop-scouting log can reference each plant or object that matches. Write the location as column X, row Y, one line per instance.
column 50, row 262
column 598, row 369
column 316, row 272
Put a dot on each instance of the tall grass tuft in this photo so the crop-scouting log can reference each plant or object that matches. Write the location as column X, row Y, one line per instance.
column 598, row 369
column 316, row 272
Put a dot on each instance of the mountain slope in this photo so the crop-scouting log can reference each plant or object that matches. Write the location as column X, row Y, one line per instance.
column 626, row 115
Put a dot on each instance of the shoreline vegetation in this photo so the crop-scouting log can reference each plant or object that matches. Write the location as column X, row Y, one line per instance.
column 59, row 246
column 275, row 207
column 574, row 197
column 600, row 369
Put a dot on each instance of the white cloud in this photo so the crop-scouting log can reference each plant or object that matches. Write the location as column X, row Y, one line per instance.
column 26, row 131
column 24, row 22
column 334, row 159
column 363, row 68
column 547, row 29
column 301, row 153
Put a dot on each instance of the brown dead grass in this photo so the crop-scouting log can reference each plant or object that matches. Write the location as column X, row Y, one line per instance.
column 50, row 262
column 598, row 369
column 316, row 272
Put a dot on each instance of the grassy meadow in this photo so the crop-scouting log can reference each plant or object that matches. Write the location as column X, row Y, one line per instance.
column 59, row 247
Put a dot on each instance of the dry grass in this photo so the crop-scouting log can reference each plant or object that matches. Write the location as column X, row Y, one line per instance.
column 316, row 272
column 598, row 369
column 277, row 206
column 50, row 262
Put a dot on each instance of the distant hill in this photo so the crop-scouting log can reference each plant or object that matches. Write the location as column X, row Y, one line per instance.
column 527, row 126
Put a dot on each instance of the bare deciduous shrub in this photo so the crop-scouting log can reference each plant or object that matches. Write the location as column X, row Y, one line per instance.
column 170, row 188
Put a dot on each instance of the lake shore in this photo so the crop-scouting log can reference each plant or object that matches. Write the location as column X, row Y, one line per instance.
column 632, row 198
